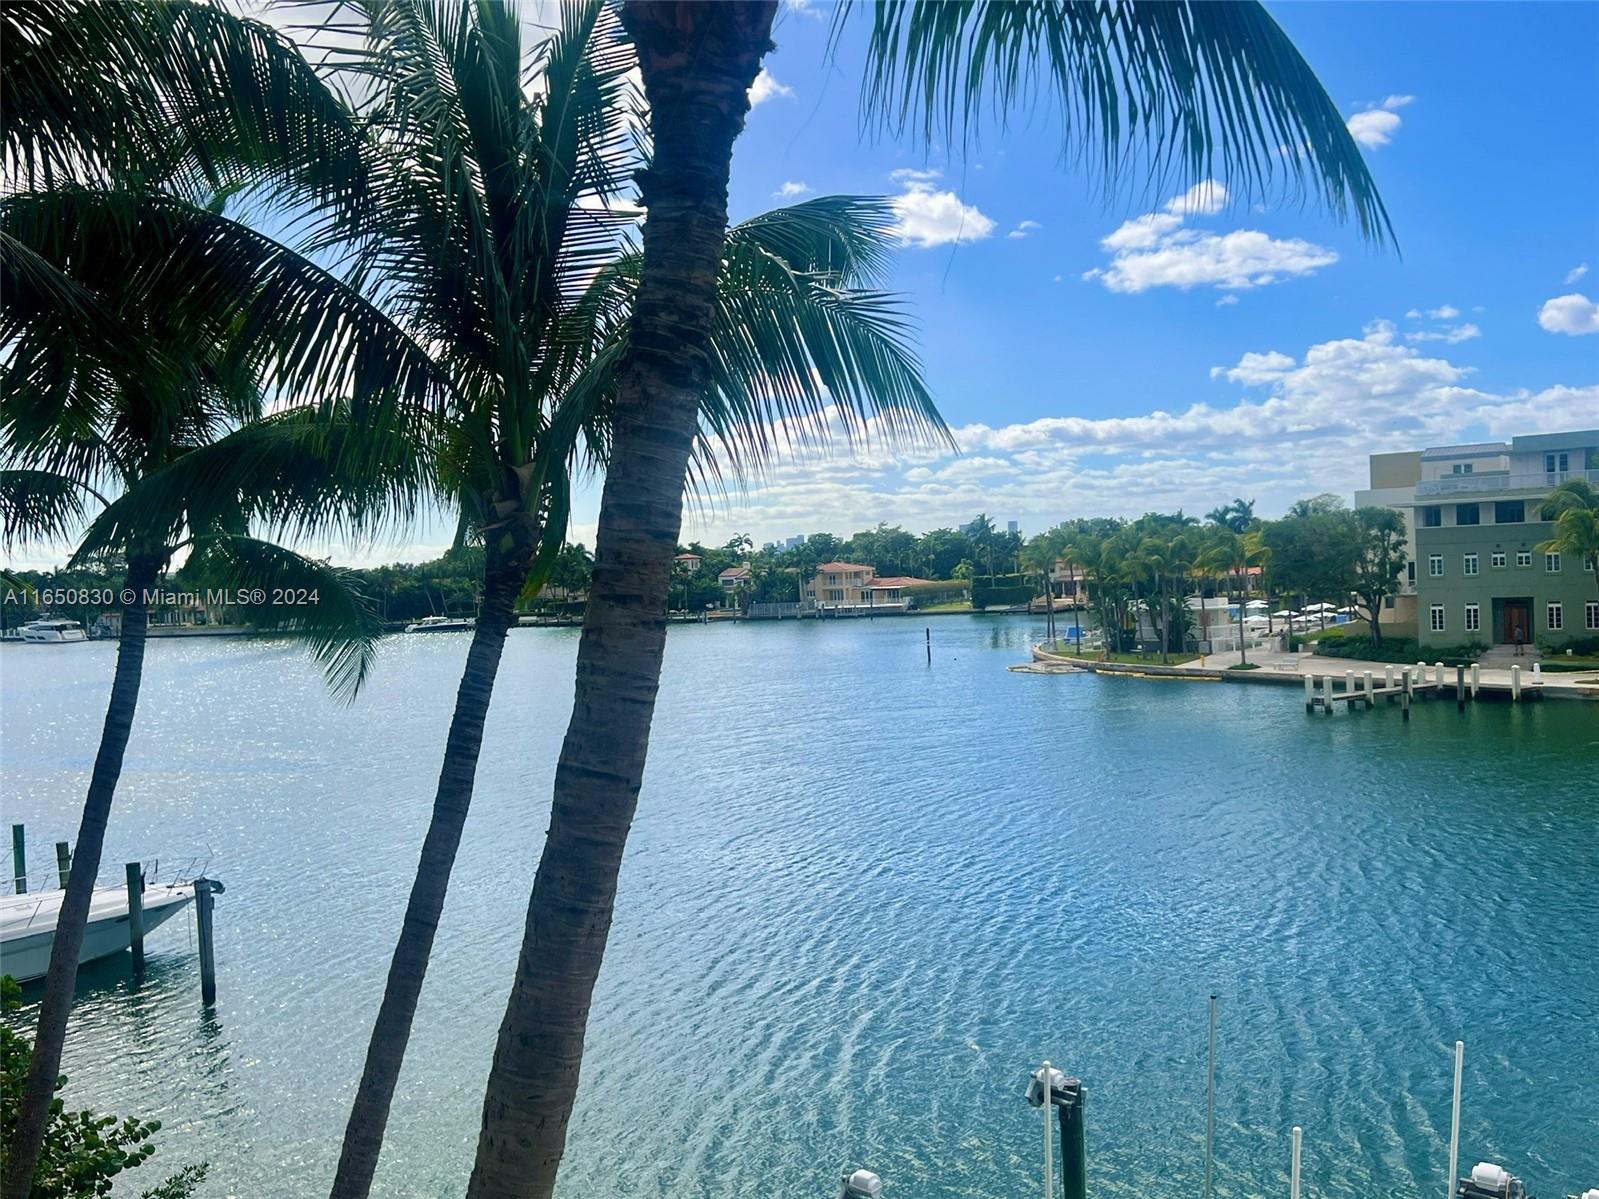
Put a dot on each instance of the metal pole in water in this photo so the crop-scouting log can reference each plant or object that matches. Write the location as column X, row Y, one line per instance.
column 19, row 858
column 208, row 962
column 1073, row 1142
column 63, row 862
column 1293, row 1172
column 135, row 877
column 1210, row 1077
column 1454, row 1123
column 928, row 632
column 1049, row 1137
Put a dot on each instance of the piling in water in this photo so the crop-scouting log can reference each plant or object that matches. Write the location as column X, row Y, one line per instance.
column 135, row 879
column 63, row 862
column 203, row 904
column 19, row 858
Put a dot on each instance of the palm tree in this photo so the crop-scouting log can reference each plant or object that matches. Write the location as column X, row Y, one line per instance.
column 1038, row 556
column 1209, row 90
column 500, row 240
column 1230, row 556
column 982, row 532
column 1574, row 507
column 142, row 330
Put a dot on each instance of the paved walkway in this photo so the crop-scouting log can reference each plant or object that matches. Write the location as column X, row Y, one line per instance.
column 1275, row 662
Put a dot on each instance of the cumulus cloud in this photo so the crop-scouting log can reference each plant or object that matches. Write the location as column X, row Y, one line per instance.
column 1576, row 272
column 1228, row 299
column 1023, row 229
column 1452, row 336
column 1377, row 124
column 1573, row 315
column 1159, row 249
column 929, row 217
column 766, row 87
column 1278, row 426
column 792, row 189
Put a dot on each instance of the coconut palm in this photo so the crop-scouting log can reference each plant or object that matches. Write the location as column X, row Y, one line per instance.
column 1188, row 91
column 1229, row 556
column 1574, row 507
column 499, row 237
column 141, row 331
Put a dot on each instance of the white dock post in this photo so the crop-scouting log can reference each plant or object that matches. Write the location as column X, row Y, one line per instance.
column 1327, row 694
column 1310, row 693
column 1293, row 1171
column 1349, row 688
column 1440, row 677
column 1515, row 683
column 1454, row 1122
column 1370, row 688
column 1476, row 679
column 1049, row 1136
column 1537, row 672
column 1388, row 681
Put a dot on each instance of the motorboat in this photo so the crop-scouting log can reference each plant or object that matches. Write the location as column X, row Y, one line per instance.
column 442, row 624
column 28, row 924
column 52, row 630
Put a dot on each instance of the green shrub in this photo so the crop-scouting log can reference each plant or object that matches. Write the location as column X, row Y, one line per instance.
column 993, row 590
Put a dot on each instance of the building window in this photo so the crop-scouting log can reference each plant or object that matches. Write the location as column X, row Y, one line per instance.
column 1590, row 614
column 1437, row 618
column 1510, row 512
column 1410, row 573
column 1551, row 563
column 1432, row 516
column 1460, row 468
column 836, row 594
column 1435, row 565
column 1469, row 563
column 1556, row 465
column 1523, row 558
column 1387, row 601
column 1468, row 514
column 1497, row 559
column 1473, row 618
column 1554, row 617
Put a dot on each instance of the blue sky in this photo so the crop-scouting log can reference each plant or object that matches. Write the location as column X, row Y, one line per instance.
column 1200, row 354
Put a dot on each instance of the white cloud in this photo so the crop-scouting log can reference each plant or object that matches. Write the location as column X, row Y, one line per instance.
column 1278, row 427
column 1446, row 313
column 916, row 174
column 1576, row 272
column 1453, row 336
column 1206, row 199
column 766, row 87
column 1228, row 299
column 935, row 218
column 1023, row 229
column 1158, row 249
column 791, row 189
column 1377, row 124
column 805, row 8
column 1574, row 315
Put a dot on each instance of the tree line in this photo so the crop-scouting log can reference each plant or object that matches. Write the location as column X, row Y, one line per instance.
column 252, row 301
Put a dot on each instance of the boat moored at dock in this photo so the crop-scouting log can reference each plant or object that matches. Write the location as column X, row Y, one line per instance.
column 28, row 924
column 52, row 630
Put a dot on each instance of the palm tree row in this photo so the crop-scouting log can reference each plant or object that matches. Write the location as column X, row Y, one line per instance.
column 452, row 310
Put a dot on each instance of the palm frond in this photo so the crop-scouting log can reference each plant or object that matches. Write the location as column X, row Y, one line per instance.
column 321, row 606
column 1174, row 91
column 38, row 506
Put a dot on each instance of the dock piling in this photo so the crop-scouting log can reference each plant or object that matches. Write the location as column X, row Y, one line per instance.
column 928, row 634
column 1476, row 679
column 1515, row 684
column 1371, row 687
column 19, row 858
column 1349, row 689
column 1293, row 1169
column 1439, row 677
column 1404, row 694
column 1310, row 693
column 1460, row 688
column 63, row 862
column 204, row 888
column 1327, row 694
column 1388, row 681
column 135, row 877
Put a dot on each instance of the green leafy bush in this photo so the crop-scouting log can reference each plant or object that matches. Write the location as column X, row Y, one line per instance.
column 83, row 1152
column 1404, row 650
column 993, row 590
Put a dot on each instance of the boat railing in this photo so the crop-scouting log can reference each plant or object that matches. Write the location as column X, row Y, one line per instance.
column 46, row 879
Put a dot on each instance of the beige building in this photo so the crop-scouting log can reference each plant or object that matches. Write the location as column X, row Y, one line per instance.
column 842, row 586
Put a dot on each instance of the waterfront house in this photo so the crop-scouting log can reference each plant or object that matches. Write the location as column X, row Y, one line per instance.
column 852, row 588
column 733, row 580
column 689, row 563
column 1472, row 514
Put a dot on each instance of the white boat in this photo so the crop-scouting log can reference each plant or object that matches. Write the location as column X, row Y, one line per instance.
column 52, row 630
column 441, row 624
column 28, row 924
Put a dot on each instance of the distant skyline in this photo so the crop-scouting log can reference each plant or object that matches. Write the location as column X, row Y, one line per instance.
column 1181, row 349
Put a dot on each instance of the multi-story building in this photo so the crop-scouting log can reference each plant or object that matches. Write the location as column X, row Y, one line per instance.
column 1474, row 522
column 847, row 586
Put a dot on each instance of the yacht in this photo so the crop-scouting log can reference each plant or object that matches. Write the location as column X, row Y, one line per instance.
column 52, row 630
column 441, row 624
column 28, row 924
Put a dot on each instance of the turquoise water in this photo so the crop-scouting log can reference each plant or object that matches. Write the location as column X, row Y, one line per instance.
column 863, row 896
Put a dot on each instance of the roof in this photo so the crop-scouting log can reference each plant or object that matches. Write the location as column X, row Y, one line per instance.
column 741, row 571
column 896, row 581
column 840, row 566
column 685, row 557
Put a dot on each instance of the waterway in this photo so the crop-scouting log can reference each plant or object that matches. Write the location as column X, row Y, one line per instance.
column 863, row 896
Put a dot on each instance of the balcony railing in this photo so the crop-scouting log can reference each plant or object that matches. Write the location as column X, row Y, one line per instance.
column 1543, row 480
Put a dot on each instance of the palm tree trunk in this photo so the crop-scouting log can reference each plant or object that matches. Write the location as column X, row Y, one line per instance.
column 369, row 1114
column 697, row 61
column 61, row 981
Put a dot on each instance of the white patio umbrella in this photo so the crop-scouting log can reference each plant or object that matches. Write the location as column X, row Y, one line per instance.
column 1285, row 612
column 1321, row 608
column 1257, row 604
